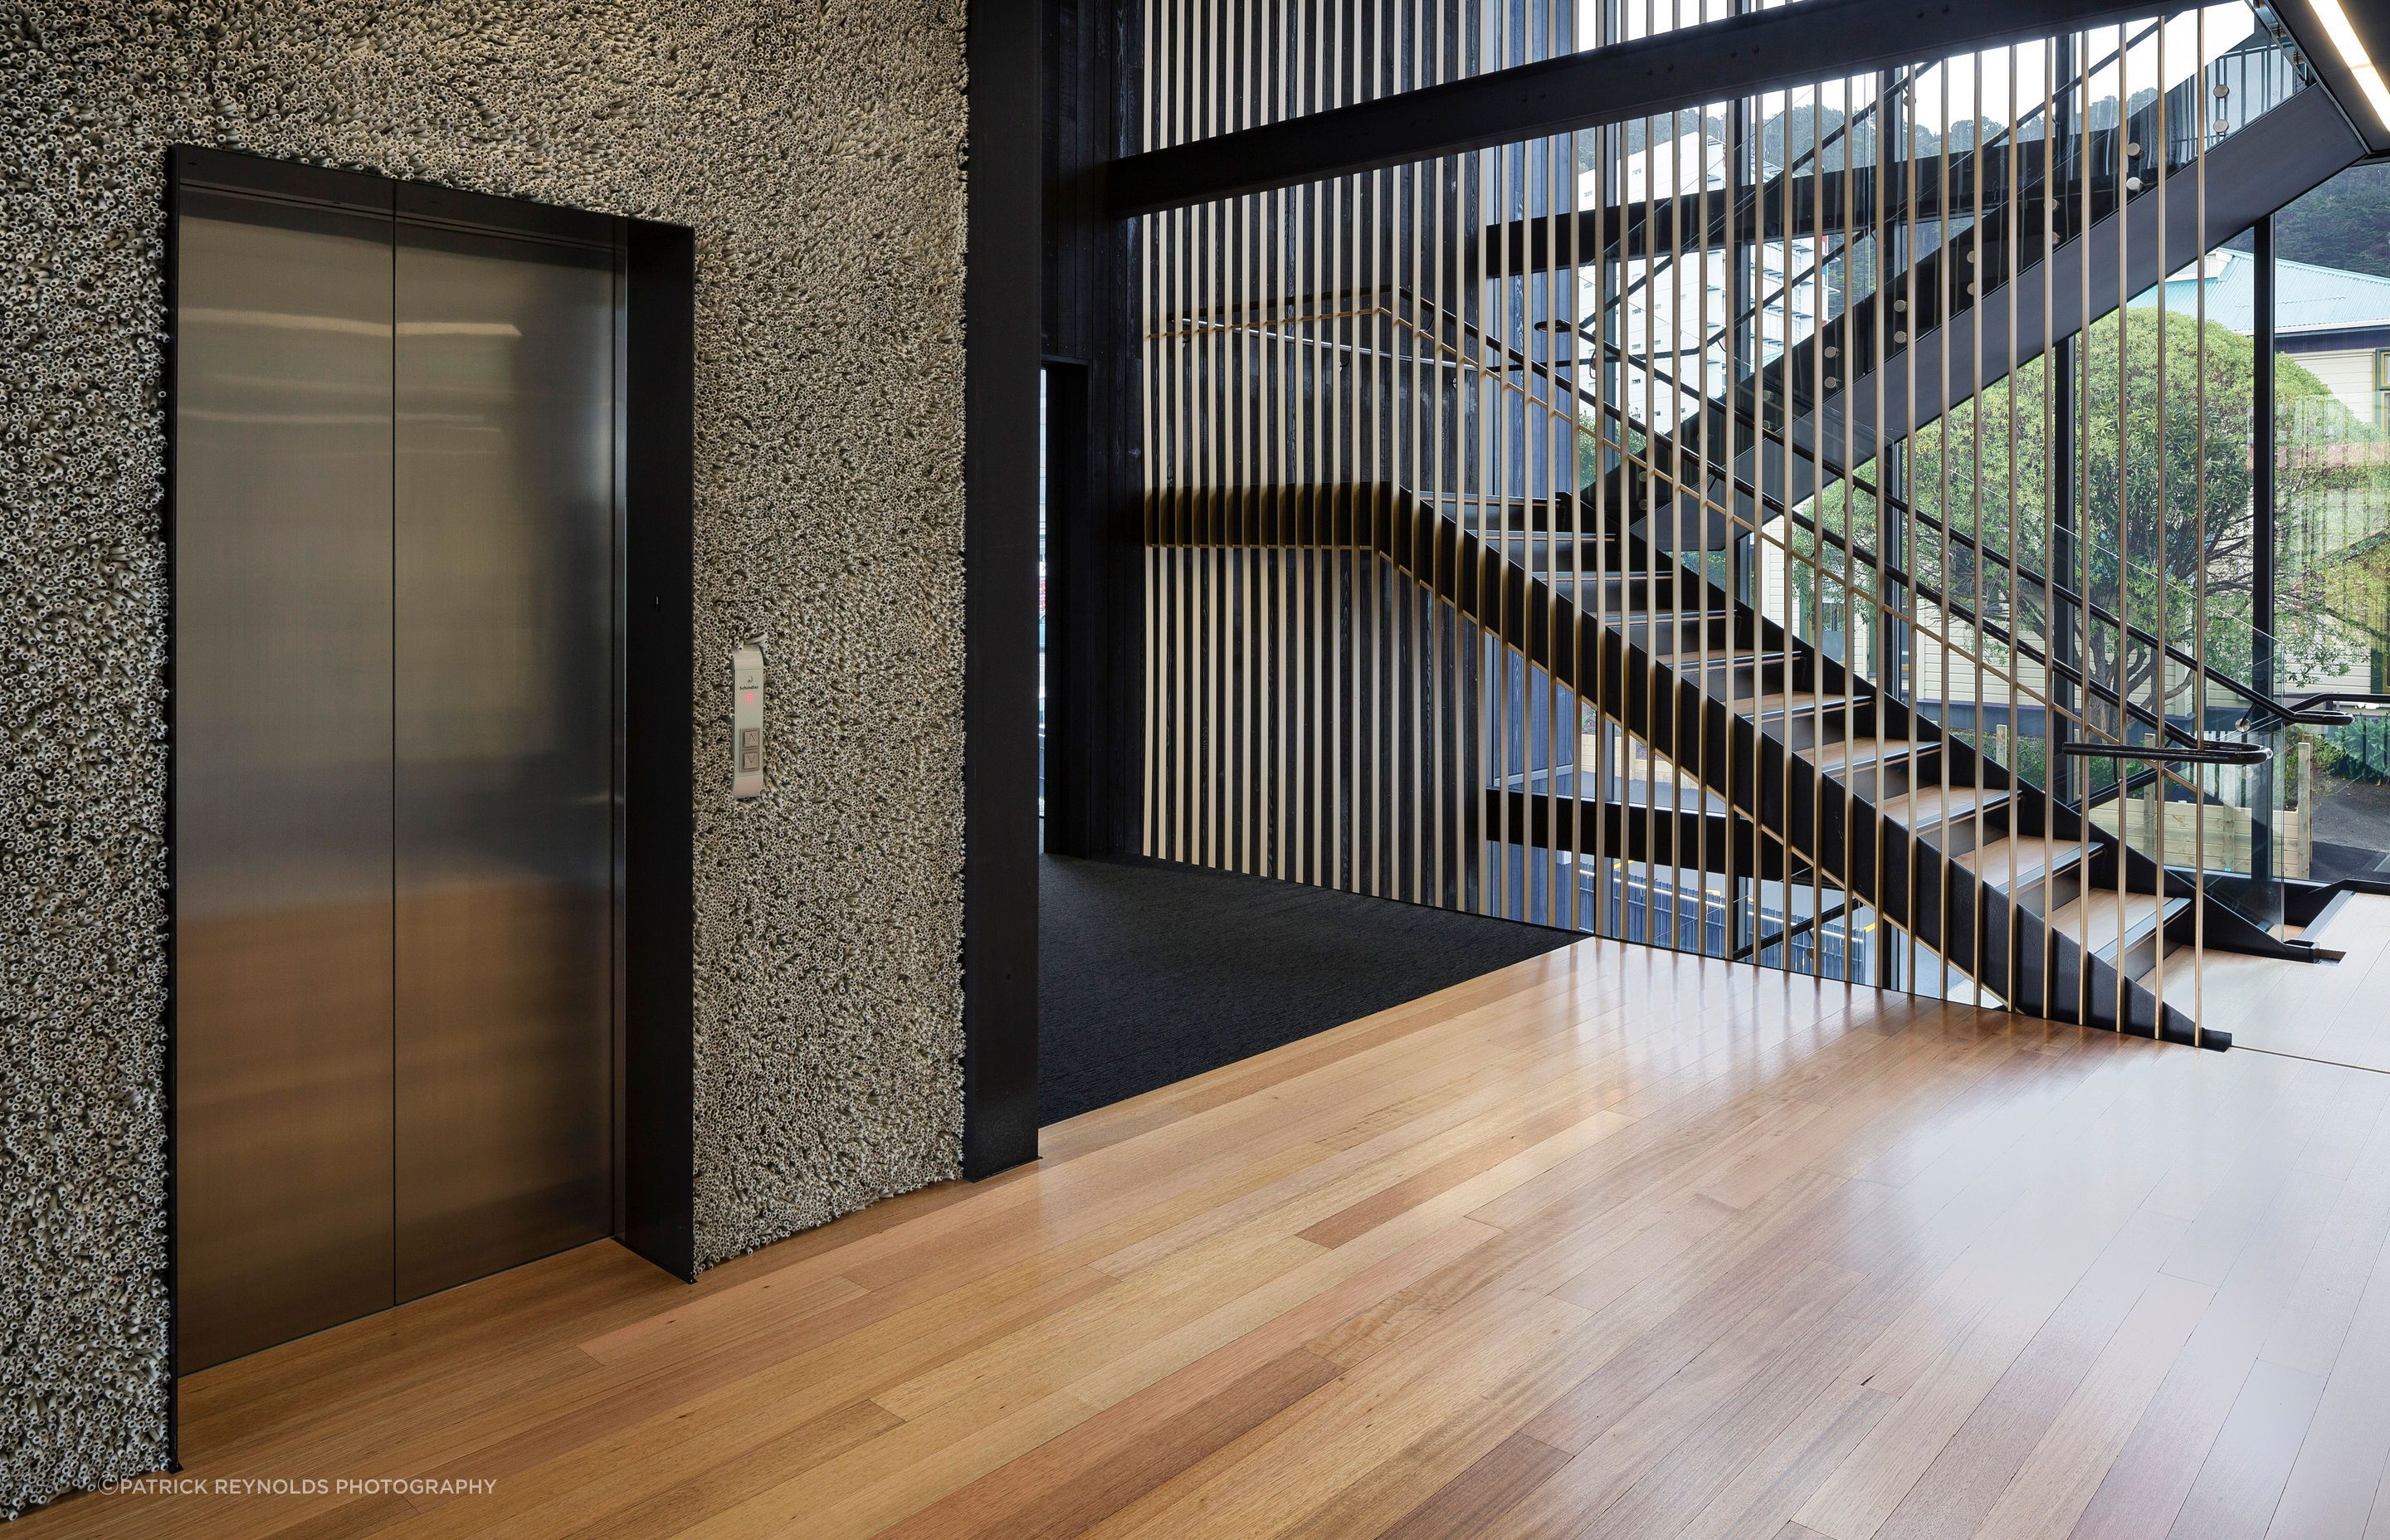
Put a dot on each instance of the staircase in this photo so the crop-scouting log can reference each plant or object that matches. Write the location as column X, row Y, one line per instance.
column 1881, row 385
column 2016, row 891
column 1809, row 772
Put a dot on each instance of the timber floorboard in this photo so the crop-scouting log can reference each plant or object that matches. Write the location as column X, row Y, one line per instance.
column 1613, row 1242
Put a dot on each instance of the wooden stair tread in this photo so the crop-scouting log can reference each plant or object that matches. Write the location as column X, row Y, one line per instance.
column 1725, row 659
column 1801, row 701
column 1851, row 752
column 2221, row 964
column 2092, row 919
column 1930, row 806
column 2236, row 991
column 2019, row 858
column 2242, row 969
column 1628, row 620
column 1653, row 617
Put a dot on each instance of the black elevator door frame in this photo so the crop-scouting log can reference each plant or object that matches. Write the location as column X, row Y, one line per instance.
column 652, row 728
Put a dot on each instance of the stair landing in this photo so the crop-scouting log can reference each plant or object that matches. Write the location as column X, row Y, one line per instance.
column 2338, row 1012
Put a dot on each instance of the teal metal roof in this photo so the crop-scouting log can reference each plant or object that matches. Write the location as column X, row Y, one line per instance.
column 2307, row 298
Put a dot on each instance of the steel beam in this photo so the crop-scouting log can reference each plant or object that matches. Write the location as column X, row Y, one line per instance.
column 1758, row 52
column 2291, row 149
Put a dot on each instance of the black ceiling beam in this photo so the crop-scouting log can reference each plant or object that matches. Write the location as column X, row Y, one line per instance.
column 1792, row 45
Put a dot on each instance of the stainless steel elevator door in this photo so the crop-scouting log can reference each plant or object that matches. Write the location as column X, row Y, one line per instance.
column 282, row 784
column 505, row 751
column 394, row 739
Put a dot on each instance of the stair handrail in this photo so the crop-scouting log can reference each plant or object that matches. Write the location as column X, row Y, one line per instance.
column 1862, row 555
column 2323, row 709
column 2122, row 130
column 2227, row 753
column 1760, row 531
column 2005, row 136
column 1752, row 198
column 1831, row 469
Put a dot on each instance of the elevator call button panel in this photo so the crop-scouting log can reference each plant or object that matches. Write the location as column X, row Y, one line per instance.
column 747, row 722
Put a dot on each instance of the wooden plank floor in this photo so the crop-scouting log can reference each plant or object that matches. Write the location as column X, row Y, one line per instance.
column 1611, row 1243
column 2335, row 1012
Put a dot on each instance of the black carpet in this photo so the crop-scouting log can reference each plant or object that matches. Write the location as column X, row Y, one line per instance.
column 1149, row 974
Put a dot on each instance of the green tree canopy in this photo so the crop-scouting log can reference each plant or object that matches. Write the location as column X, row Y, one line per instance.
column 2160, row 465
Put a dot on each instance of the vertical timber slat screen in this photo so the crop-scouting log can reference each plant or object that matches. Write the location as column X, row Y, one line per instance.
column 1714, row 529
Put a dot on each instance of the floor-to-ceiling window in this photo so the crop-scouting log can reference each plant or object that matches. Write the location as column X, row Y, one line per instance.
column 2330, row 514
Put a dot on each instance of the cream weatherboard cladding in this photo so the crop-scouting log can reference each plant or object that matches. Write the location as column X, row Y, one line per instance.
column 817, row 151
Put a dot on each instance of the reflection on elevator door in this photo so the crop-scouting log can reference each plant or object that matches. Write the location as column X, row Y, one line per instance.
column 394, row 783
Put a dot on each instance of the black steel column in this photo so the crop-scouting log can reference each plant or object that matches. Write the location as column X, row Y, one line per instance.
column 1892, row 259
column 2063, row 617
column 2262, row 451
column 1095, row 589
column 1000, row 315
column 2261, row 540
column 1742, row 288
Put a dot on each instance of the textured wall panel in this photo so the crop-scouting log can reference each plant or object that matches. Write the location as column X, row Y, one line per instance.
column 816, row 151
